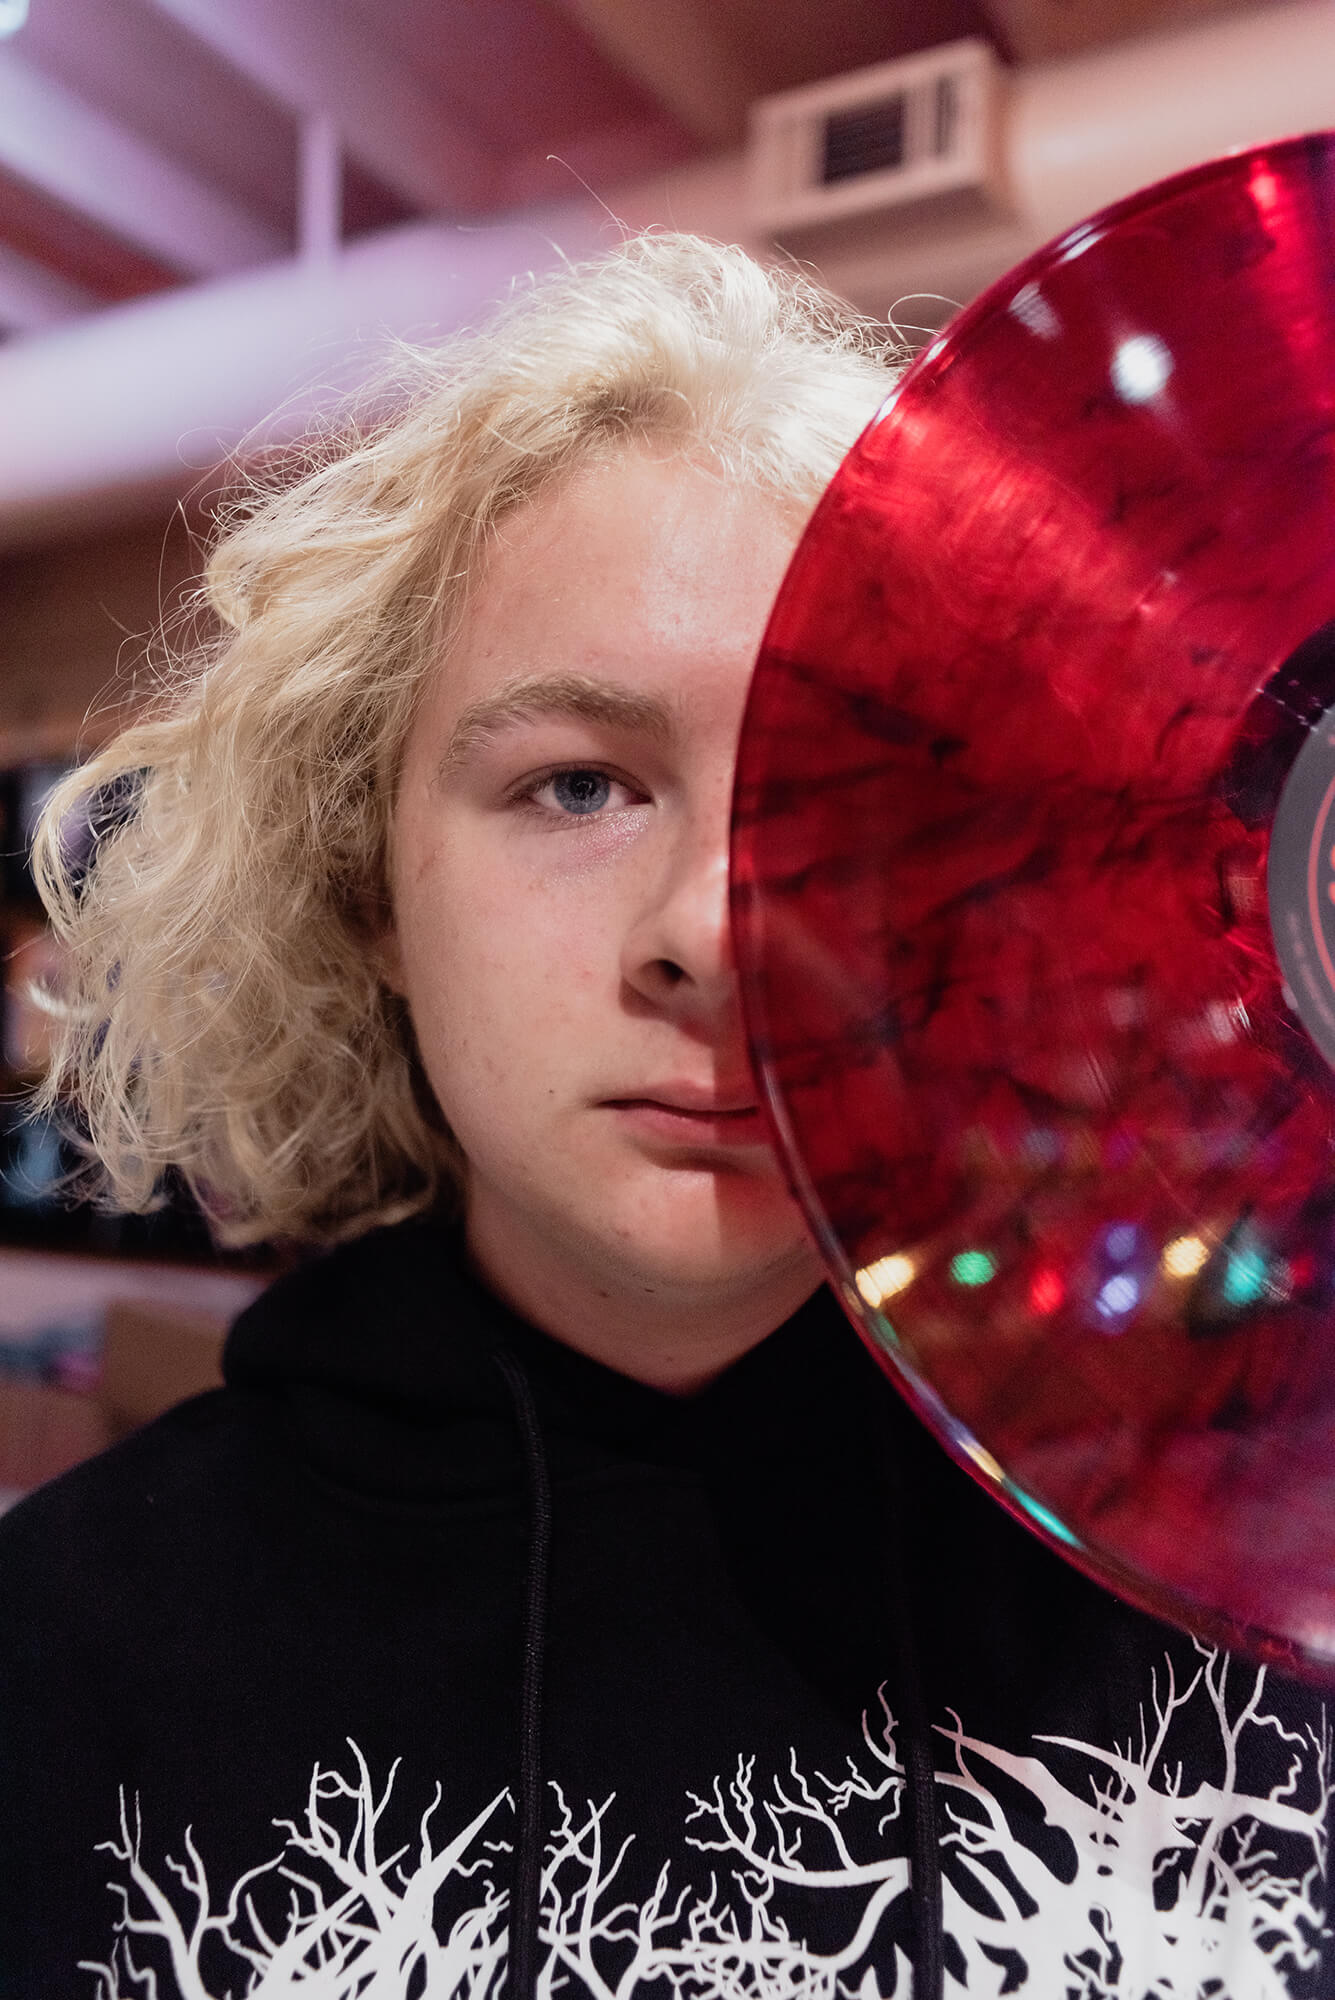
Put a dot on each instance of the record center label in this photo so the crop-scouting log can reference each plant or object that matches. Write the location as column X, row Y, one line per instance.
column 1301, row 885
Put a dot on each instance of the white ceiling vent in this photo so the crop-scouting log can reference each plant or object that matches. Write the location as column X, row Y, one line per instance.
column 923, row 129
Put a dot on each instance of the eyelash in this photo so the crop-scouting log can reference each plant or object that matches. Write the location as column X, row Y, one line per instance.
column 525, row 794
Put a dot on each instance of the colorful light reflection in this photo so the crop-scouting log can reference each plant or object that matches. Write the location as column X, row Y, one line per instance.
column 973, row 1267
column 1246, row 1278
column 886, row 1277
column 1184, row 1256
column 1046, row 1291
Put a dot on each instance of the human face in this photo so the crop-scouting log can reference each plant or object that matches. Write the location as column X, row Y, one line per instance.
column 559, row 887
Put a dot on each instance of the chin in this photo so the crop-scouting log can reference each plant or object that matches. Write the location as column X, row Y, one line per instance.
column 717, row 1244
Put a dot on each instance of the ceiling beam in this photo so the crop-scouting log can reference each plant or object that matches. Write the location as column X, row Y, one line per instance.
column 57, row 142
column 680, row 52
column 1037, row 30
column 32, row 297
column 316, row 61
column 68, row 246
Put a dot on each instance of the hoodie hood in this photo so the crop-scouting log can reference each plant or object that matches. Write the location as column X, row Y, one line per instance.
column 378, row 1361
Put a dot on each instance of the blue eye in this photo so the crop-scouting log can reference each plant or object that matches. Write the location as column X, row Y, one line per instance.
column 581, row 791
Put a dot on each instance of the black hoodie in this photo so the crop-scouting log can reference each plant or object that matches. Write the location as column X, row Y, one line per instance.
column 264, row 1666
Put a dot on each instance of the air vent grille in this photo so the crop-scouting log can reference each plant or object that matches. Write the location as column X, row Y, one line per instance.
column 899, row 133
column 864, row 141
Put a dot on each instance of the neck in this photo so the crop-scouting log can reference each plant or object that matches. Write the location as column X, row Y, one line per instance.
column 673, row 1336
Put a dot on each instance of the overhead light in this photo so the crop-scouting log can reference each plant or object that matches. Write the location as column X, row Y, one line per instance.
column 13, row 13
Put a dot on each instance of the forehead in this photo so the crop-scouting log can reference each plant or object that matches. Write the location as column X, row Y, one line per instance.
column 637, row 570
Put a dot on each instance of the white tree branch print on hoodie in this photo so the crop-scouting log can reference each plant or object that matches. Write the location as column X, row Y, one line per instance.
column 1148, row 1885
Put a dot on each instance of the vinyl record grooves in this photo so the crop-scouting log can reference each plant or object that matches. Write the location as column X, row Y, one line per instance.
column 1034, row 893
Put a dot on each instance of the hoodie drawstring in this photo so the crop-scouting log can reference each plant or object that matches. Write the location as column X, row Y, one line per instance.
column 526, row 1877
column 919, row 1765
column 925, row 1853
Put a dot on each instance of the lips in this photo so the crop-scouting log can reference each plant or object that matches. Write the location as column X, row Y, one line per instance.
column 680, row 1115
column 691, row 1101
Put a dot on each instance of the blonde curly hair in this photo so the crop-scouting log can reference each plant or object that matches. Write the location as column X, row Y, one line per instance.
column 217, row 871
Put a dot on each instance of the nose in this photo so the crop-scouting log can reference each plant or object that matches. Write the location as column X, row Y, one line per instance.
column 677, row 952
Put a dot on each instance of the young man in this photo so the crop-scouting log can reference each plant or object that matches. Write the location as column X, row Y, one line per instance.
column 557, row 1599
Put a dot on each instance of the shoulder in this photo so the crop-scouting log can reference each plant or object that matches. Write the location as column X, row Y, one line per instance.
column 118, row 1514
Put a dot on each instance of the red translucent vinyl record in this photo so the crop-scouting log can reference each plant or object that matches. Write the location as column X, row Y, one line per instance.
column 1034, row 893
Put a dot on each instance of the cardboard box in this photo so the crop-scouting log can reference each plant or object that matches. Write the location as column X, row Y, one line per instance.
column 44, row 1431
column 153, row 1357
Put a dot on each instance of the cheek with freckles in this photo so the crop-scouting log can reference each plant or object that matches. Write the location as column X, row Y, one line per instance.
column 506, row 1013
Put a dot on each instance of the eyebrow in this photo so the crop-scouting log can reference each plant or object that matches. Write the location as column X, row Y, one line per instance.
column 577, row 696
